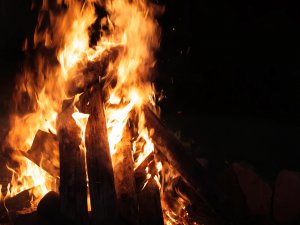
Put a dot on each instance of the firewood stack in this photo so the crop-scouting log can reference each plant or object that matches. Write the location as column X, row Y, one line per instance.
column 119, row 194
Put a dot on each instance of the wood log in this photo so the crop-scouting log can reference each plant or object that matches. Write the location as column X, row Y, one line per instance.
column 99, row 163
column 17, row 202
column 150, row 211
column 125, row 181
column 86, row 75
column 44, row 152
column 49, row 206
column 176, row 154
column 12, row 207
column 73, row 185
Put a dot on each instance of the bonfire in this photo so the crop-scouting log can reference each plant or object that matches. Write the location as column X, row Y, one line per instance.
column 90, row 136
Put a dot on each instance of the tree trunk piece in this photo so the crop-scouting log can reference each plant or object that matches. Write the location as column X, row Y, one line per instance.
column 99, row 163
column 125, row 181
column 73, row 185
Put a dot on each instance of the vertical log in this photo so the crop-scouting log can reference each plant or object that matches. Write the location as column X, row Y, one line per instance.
column 125, row 181
column 73, row 186
column 99, row 163
column 150, row 211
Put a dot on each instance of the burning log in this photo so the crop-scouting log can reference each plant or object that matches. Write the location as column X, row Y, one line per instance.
column 139, row 172
column 73, row 186
column 87, row 75
column 17, row 202
column 125, row 181
column 150, row 211
column 44, row 152
column 99, row 163
column 191, row 171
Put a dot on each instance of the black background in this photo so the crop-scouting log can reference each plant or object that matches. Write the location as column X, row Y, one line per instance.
column 230, row 71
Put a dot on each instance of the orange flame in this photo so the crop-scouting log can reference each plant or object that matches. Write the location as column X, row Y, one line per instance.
column 29, row 175
column 45, row 86
column 81, row 120
column 1, row 195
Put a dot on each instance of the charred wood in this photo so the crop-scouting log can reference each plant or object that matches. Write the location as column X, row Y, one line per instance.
column 73, row 185
column 125, row 180
column 150, row 211
column 99, row 163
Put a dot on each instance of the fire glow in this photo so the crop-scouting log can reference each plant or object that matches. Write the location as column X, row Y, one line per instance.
column 130, row 25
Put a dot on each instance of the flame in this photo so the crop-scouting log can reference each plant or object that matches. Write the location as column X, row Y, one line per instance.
column 148, row 146
column 174, row 202
column 76, row 37
column 138, row 32
column 117, row 118
column 81, row 120
column 1, row 195
column 44, row 85
column 29, row 176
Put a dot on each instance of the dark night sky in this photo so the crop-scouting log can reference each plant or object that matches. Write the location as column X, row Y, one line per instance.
column 237, row 61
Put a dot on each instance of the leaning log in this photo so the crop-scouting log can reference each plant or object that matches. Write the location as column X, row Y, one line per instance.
column 176, row 154
column 150, row 211
column 87, row 74
column 73, row 185
column 44, row 152
column 125, row 181
column 99, row 163
column 198, row 209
